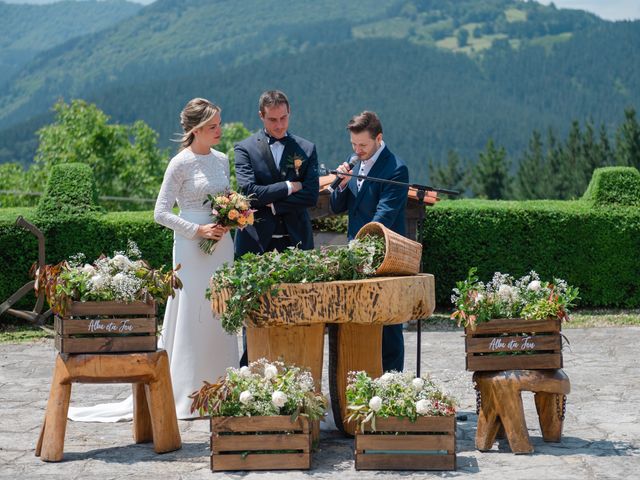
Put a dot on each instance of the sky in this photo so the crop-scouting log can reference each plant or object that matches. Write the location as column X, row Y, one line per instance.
column 607, row 9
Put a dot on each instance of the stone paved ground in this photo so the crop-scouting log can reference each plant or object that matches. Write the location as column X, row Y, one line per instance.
column 601, row 434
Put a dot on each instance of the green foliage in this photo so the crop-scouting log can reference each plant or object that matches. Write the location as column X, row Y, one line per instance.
column 252, row 276
column 595, row 250
column 628, row 140
column 14, row 178
column 70, row 191
column 491, row 174
column 614, row 186
column 232, row 133
column 125, row 159
column 453, row 175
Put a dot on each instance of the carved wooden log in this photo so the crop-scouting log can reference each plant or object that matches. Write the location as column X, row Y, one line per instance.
column 383, row 300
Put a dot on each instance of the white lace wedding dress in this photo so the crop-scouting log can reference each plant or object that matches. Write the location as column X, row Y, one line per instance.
column 198, row 348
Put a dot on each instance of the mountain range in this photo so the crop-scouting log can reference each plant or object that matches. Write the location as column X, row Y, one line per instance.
column 442, row 74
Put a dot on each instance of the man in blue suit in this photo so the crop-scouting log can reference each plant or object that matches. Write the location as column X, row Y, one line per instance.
column 280, row 172
column 370, row 201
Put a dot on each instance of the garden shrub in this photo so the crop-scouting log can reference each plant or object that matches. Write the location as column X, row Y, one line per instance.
column 70, row 191
column 614, row 186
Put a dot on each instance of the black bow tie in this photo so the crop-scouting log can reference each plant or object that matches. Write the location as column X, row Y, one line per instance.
column 273, row 140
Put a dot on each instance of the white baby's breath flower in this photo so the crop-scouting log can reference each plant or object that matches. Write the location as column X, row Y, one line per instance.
column 422, row 407
column 270, row 371
column 88, row 269
column 278, row 398
column 479, row 298
column 98, row 282
column 121, row 262
column 246, row 397
column 506, row 293
column 534, row 286
column 245, row 372
column 417, row 383
column 375, row 403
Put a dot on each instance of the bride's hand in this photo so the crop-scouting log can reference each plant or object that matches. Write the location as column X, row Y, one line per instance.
column 212, row 231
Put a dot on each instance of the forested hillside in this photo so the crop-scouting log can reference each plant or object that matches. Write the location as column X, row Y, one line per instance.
column 444, row 75
column 26, row 30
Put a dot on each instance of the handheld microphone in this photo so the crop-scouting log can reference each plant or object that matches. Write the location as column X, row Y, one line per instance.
column 337, row 180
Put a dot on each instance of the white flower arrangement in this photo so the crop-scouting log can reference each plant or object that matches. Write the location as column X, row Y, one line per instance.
column 394, row 395
column 261, row 389
column 121, row 278
column 505, row 297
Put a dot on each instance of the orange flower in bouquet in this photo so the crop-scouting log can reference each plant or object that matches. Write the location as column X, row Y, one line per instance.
column 229, row 209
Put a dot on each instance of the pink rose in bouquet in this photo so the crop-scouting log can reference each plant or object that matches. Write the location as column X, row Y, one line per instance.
column 229, row 209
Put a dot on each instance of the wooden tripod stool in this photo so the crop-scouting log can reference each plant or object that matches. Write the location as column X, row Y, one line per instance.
column 154, row 411
column 500, row 406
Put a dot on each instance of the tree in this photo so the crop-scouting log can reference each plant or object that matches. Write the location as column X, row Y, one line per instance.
column 491, row 174
column 463, row 37
column 628, row 140
column 124, row 158
column 451, row 175
column 531, row 181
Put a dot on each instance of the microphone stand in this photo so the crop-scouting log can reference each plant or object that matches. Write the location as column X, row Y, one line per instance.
column 421, row 191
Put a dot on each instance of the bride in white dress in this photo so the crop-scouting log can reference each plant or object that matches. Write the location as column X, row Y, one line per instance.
column 197, row 346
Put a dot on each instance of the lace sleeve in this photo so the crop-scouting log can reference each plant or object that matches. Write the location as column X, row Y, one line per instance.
column 163, row 212
column 223, row 159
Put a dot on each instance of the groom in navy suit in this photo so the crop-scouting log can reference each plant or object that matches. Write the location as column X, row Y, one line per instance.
column 369, row 201
column 280, row 172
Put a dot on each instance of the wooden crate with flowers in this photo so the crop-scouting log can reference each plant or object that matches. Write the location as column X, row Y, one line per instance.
column 512, row 324
column 403, row 423
column 261, row 417
column 108, row 306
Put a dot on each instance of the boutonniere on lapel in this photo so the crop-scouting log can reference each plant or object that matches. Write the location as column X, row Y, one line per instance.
column 295, row 162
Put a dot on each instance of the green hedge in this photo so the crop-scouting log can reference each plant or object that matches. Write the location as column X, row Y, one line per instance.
column 595, row 249
column 614, row 186
column 70, row 191
column 92, row 235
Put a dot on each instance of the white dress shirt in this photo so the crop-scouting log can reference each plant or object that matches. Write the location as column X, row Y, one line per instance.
column 367, row 165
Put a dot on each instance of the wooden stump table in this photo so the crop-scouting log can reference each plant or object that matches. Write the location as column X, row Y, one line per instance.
column 154, row 412
column 290, row 326
column 501, row 406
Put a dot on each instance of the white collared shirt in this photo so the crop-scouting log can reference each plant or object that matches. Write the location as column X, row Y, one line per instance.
column 277, row 149
column 367, row 165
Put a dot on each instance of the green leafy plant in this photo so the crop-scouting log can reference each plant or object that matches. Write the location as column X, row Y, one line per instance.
column 505, row 297
column 262, row 388
column 394, row 395
column 253, row 275
column 117, row 278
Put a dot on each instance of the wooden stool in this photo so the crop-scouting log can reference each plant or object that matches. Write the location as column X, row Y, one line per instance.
column 500, row 406
column 154, row 411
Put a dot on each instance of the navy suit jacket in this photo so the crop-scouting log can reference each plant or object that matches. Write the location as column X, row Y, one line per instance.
column 375, row 202
column 258, row 176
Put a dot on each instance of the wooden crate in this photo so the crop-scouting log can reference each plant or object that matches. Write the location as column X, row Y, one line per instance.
column 427, row 444
column 260, row 443
column 514, row 344
column 107, row 327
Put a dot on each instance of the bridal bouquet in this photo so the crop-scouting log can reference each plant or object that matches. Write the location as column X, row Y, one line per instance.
column 229, row 209
column 123, row 277
column 262, row 388
column 394, row 394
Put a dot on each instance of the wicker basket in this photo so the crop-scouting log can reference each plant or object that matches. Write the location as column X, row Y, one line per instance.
column 402, row 256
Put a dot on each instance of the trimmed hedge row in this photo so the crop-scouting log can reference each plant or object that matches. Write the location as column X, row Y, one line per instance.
column 595, row 249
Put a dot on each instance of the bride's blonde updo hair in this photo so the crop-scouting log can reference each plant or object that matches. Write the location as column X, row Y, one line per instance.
column 196, row 113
